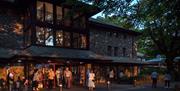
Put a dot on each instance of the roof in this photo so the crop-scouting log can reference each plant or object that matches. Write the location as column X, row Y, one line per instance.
column 124, row 60
column 110, row 27
column 64, row 53
column 6, row 53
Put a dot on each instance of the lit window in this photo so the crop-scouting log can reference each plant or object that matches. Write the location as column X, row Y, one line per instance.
column 59, row 38
column 45, row 11
column 44, row 36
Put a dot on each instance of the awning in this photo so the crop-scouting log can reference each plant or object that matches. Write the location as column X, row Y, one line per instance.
column 125, row 60
column 6, row 53
column 64, row 53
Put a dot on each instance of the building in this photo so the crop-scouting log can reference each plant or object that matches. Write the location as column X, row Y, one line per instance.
column 116, row 44
column 39, row 34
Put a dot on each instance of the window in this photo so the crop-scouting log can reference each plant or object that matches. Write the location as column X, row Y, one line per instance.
column 83, row 41
column 115, row 51
column 67, row 17
column 79, row 40
column 109, row 50
column 116, row 34
column 44, row 36
column 45, row 12
column 76, row 40
column 124, row 52
column 124, row 36
column 67, row 39
column 59, row 14
column 59, row 38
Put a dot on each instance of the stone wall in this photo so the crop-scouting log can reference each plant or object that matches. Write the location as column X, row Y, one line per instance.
column 100, row 40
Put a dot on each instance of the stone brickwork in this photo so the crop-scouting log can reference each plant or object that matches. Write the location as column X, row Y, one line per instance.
column 100, row 40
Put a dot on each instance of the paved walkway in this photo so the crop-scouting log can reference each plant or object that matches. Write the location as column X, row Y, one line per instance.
column 120, row 87
column 117, row 87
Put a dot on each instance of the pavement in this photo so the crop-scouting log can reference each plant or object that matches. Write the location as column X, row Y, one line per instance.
column 119, row 87
column 115, row 87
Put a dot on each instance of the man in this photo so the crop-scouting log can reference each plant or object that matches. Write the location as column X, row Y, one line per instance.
column 154, row 77
column 51, row 76
column 68, row 77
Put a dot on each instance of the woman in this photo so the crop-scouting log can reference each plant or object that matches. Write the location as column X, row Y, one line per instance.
column 91, row 83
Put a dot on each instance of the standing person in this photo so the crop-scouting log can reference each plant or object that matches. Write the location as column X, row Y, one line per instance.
column 167, row 78
column 91, row 83
column 154, row 77
column 18, row 84
column 58, row 75
column 35, row 80
column 111, row 75
column 51, row 76
column 11, row 81
column 68, row 77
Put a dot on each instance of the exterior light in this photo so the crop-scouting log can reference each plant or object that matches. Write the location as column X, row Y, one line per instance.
column 19, row 61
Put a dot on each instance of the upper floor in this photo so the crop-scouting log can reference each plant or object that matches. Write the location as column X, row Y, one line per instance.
column 60, row 23
column 110, row 40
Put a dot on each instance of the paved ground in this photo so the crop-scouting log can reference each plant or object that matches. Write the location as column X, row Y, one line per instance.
column 116, row 87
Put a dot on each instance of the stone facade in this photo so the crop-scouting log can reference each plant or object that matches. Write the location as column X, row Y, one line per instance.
column 120, row 44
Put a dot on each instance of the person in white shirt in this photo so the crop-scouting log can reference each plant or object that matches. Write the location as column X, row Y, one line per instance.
column 111, row 75
column 167, row 79
column 154, row 77
column 91, row 83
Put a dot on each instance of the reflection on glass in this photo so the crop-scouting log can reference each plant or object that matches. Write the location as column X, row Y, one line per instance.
column 67, row 39
column 59, row 38
column 45, row 12
column 59, row 14
column 44, row 36
column 83, row 41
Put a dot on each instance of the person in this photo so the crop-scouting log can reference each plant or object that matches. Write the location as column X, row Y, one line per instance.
column 68, row 77
column 111, row 75
column 35, row 80
column 87, row 76
column 51, row 76
column 167, row 78
column 121, row 75
column 18, row 84
column 91, row 83
column 11, row 81
column 58, row 75
column 154, row 77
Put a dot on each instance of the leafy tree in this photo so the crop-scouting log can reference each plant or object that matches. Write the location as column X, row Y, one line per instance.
column 157, row 18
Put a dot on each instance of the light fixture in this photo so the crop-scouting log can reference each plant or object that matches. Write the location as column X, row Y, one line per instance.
column 19, row 61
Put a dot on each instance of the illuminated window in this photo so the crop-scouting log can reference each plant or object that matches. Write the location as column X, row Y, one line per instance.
column 44, row 36
column 67, row 39
column 45, row 12
column 59, row 38
column 83, row 41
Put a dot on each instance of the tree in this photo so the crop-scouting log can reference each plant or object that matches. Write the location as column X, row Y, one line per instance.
column 161, row 23
column 157, row 18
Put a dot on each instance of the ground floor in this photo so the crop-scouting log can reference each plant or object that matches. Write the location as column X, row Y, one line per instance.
column 24, row 68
